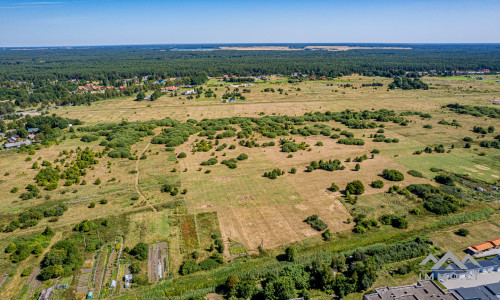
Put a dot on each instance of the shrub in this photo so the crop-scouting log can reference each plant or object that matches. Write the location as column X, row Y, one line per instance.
column 181, row 155
column 415, row 211
column 393, row 175
column 293, row 171
column 395, row 221
column 92, row 205
column 97, row 181
column 135, row 268
column 355, row 187
column 103, row 201
column 242, row 156
column 316, row 223
column 378, row 184
column 462, row 232
column 415, row 173
column 351, row 141
column 333, row 187
column 26, row 272
column 291, row 254
column 140, row 251
column 210, row 162
column 188, row 267
column 444, row 179
column 208, row 264
column 274, row 173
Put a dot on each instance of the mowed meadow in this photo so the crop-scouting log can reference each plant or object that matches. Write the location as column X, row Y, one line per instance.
column 239, row 204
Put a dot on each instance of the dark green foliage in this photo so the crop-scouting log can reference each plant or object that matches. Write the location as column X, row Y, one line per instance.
column 188, row 267
column 477, row 111
column 444, row 179
column 85, row 226
column 135, row 268
column 274, row 173
column 230, row 163
column 298, row 274
column 208, row 264
column 406, row 83
column 316, row 223
column 290, row 253
column 140, row 251
column 181, row 155
column 351, row 141
column 330, row 165
column 395, row 221
column 61, row 259
column 89, row 138
column 355, row 187
column 284, row 288
column 333, row 188
column 32, row 192
column 393, row 175
column 242, row 156
column 210, row 162
column 168, row 188
column 462, row 232
column 48, row 231
column 490, row 144
column 415, row 173
column 378, row 184
column 435, row 200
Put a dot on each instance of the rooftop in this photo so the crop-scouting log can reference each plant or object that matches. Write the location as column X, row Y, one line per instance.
column 424, row 289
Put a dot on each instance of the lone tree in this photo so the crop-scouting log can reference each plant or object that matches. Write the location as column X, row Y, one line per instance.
column 290, row 253
column 140, row 251
column 140, row 96
column 355, row 187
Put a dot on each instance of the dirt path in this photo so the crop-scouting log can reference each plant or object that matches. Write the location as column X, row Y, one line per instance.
column 137, row 174
column 33, row 282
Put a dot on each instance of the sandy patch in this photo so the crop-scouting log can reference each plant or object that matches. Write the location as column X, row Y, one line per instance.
column 468, row 169
column 495, row 176
column 481, row 167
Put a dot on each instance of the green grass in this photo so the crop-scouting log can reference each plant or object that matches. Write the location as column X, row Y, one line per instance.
column 207, row 224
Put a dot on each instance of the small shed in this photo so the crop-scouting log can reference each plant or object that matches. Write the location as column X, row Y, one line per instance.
column 113, row 284
column 90, row 295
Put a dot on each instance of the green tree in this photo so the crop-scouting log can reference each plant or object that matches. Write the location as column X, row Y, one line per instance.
column 355, row 187
column 284, row 288
column 140, row 96
column 298, row 274
column 290, row 253
column 189, row 266
column 140, row 251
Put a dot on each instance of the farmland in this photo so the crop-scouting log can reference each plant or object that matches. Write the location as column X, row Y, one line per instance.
column 183, row 209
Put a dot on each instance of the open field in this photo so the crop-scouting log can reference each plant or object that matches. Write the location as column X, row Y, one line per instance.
column 241, row 206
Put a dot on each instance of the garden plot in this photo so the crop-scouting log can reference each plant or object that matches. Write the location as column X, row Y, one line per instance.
column 158, row 261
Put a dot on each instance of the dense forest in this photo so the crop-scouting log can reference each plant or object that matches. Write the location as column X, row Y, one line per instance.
column 112, row 63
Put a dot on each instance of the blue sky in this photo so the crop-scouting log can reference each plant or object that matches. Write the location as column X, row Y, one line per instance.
column 113, row 22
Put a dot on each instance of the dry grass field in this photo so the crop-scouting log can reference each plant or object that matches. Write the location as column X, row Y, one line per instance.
column 240, row 204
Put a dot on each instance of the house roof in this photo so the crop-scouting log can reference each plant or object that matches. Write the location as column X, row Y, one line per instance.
column 495, row 242
column 494, row 288
column 473, row 293
column 483, row 246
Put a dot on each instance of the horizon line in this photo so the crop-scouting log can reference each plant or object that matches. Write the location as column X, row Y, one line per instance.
column 251, row 43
